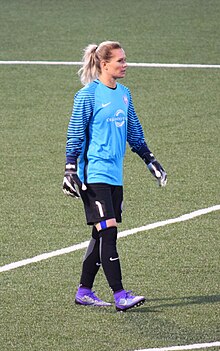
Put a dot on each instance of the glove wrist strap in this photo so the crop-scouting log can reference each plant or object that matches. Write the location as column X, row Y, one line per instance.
column 148, row 158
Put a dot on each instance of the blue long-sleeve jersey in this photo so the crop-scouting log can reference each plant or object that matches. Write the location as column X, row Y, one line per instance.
column 102, row 121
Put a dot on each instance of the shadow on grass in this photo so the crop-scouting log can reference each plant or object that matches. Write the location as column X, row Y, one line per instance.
column 177, row 302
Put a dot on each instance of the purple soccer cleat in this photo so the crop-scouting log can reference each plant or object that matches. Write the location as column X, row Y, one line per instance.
column 124, row 300
column 87, row 297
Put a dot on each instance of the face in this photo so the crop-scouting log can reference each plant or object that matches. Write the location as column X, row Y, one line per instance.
column 116, row 67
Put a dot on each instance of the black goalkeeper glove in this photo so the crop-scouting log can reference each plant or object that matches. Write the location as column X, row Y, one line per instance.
column 71, row 181
column 158, row 172
column 155, row 168
column 152, row 164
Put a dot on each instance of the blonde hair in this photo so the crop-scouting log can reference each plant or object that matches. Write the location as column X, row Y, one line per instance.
column 93, row 54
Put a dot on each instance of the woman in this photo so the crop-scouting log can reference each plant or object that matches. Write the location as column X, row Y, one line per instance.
column 102, row 121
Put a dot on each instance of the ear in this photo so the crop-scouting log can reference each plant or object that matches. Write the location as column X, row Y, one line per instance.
column 104, row 65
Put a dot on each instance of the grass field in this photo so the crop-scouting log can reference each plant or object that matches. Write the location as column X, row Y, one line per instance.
column 175, row 266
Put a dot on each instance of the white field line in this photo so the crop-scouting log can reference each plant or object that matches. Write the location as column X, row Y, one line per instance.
column 131, row 64
column 84, row 244
column 184, row 347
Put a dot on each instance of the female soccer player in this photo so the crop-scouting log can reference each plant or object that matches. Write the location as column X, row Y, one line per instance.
column 103, row 120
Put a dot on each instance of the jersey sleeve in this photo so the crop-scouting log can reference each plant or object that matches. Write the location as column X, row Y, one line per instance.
column 76, row 133
column 135, row 134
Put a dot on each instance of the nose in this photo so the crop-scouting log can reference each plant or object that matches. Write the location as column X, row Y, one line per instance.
column 125, row 65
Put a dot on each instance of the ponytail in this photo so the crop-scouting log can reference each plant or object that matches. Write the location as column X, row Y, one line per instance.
column 93, row 54
column 88, row 72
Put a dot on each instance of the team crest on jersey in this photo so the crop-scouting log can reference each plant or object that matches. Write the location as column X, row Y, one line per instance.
column 125, row 98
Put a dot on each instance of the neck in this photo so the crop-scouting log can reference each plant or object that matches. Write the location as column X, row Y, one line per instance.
column 109, row 82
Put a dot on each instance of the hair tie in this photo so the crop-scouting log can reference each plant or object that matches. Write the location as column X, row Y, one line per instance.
column 95, row 52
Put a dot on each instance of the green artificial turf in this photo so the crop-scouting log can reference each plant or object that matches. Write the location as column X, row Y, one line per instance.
column 176, row 266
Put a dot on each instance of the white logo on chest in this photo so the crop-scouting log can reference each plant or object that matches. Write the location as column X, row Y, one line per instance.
column 119, row 118
column 105, row 105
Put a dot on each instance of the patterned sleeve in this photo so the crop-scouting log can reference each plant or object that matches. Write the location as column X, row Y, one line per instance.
column 76, row 133
column 135, row 134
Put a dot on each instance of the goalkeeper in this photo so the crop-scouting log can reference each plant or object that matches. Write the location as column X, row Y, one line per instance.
column 103, row 120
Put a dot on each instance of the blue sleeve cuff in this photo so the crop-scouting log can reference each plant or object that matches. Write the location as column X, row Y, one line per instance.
column 71, row 159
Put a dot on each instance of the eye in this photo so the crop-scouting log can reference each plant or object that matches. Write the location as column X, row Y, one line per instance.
column 122, row 60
